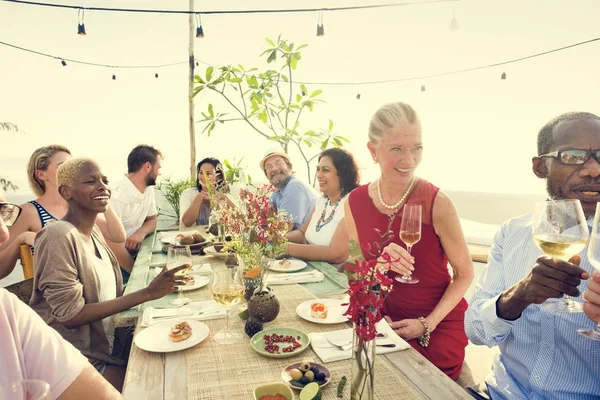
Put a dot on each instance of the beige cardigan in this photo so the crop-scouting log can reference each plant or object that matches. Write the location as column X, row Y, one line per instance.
column 64, row 281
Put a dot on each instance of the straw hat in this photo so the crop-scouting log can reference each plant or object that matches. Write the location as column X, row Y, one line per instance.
column 271, row 153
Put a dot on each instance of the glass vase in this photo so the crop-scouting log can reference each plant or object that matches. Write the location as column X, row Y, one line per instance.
column 363, row 374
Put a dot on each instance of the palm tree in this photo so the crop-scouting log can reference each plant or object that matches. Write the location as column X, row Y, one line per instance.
column 5, row 183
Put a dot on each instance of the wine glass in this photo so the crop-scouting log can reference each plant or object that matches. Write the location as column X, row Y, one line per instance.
column 594, row 258
column 410, row 233
column 227, row 290
column 179, row 255
column 560, row 230
column 28, row 389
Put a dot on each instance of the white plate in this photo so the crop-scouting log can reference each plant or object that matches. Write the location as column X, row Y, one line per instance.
column 155, row 338
column 169, row 237
column 211, row 251
column 199, row 281
column 335, row 311
column 297, row 265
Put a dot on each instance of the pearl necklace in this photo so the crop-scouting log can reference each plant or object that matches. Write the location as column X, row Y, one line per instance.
column 399, row 203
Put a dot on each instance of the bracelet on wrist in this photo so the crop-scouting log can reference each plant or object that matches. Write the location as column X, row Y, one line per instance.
column 424, row 339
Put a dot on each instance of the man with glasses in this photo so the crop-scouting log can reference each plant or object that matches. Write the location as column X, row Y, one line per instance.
column 541, row 354
column 291, row 195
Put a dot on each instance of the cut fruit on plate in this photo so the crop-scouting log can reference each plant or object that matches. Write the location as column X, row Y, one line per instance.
column 312, row 391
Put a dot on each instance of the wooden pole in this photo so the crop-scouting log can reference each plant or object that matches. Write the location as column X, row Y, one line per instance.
column 192, row 124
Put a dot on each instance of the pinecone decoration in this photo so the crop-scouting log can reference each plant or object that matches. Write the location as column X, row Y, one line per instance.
column 253, row 326
column 214, row 230
column 263, row 306
column 231, row 259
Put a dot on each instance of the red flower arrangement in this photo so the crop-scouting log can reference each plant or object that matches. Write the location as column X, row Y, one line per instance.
column 369, row 285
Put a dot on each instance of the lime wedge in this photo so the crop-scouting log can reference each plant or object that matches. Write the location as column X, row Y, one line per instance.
column 244, row 314
column 312, row 391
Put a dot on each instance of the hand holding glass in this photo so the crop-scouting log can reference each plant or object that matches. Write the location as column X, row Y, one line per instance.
column 560, row 230
column 594, row 259
column 410, row 234
column 179, row 255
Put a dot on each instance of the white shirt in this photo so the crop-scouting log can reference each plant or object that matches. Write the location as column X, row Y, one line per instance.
column 541, row 354
column 185, row 201
column 325, row 234
column 108, row 289
column 132, row 206
column 30, row 349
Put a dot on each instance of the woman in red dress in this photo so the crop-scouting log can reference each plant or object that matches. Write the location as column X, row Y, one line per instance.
column 429, row 314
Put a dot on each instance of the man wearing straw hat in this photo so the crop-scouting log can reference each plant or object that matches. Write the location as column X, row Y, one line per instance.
column 291, row 194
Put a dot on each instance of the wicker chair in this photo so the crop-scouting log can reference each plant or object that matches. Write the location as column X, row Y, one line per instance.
column 22, row 290
column 27, row 260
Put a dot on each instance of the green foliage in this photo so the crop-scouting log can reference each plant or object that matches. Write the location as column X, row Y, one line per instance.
column 7, row 185
column 172, row 189
column 269, row 101
column 233, row 170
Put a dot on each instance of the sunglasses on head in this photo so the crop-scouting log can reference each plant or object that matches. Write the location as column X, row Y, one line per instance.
column 9, row 212
column 574, row 157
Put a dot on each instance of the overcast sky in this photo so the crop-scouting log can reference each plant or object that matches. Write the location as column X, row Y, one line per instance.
column 479, row 131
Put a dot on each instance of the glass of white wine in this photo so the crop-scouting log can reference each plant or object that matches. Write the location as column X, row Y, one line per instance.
column 560, row 230
column 593, row 254
column 179, row 255
column 227, row 290
column 410, row 234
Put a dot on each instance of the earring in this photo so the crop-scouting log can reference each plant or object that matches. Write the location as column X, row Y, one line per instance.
column 375, row 160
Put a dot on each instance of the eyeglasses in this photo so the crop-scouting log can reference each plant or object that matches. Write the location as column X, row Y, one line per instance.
column 574, row 157
column 9, row 212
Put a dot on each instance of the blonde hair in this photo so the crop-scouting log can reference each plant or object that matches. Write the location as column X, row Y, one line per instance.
column 40, row 160
column 389, row 116
column 67, row 170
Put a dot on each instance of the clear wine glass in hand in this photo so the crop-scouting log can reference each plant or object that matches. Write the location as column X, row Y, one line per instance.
column 410, row 234
column 560, row 230
column 179, row 255
column 227, row 290
column 594, row 258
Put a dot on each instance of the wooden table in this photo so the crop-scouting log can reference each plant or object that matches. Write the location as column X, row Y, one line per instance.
column 164, row 376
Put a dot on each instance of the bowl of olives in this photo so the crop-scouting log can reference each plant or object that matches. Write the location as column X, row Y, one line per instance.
column 298, row 375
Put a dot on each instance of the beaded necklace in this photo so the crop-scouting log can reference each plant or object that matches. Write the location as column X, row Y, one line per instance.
column 322, row 220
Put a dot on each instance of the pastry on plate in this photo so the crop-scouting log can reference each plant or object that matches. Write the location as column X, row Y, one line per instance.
column 189, row 280
column 180, row 332
column 285, row 263
column 318, row 310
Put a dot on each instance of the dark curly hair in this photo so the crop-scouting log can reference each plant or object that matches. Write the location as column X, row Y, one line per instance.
column 346, row 167
column 221, row 182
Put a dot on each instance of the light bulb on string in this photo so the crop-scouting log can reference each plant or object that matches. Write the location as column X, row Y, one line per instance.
column 503, row 76
column 422, row 88
column 199, row 29
column 358, row 96
column 156, row 75
column 454, row 24
column 63, row 62
column 114, row 77
column 80, row 22
column 320, row 26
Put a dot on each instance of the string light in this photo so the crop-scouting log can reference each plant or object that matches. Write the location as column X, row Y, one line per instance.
column 199, row 30
column 422, row 88
column 358, row 96
column 63, row 62
column 80, row 22
column 454, row 24
column 114, row 77
column 320, row 27
column 263, row 11
column 156, row 75
column 355, row 83
column 503, row 76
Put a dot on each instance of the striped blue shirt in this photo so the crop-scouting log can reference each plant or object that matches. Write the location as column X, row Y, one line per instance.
column 44, row 215
column 541, row 354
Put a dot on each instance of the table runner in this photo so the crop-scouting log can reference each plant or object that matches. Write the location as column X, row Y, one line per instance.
column 220, row 372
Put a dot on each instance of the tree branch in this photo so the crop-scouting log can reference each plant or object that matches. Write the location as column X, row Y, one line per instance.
column 297, row 143
column 244, row 116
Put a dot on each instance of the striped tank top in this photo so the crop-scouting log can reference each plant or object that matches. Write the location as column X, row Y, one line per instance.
column 44, row 215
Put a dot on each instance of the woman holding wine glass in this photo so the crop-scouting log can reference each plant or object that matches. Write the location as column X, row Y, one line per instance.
column 428, row 314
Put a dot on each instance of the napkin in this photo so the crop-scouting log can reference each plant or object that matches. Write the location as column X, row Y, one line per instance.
column 210, row 309
column 330, row 353
column 295, row 277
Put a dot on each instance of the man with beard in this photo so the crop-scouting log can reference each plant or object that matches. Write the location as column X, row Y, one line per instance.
column 291, row 194
column 541, row 354
column 133, row 201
